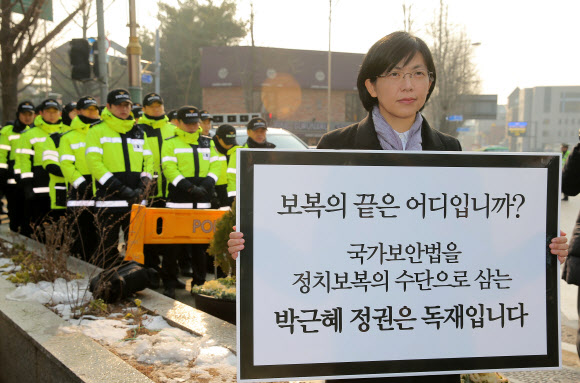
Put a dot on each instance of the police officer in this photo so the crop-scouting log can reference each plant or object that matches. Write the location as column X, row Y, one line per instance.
column 9, row 137
column 205, row 126
column 226, row 145
column 257, row 129
column 120, row 162
column 172, row 116
column 33, row 177
column 79, row 179
column 191, row 173
column 137, row 110
column 156, row 125
column 56, row 184
column 69, row 112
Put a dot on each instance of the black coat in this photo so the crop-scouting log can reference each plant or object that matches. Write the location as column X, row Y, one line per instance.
column 571, row 186
column 363, row 136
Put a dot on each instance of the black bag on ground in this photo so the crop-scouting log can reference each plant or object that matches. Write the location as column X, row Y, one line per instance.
column 120, row 282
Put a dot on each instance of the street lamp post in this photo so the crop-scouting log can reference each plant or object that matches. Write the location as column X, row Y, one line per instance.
column 134, row 56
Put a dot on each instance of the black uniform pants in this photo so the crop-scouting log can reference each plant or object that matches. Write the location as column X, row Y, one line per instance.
column 85, row 237
column 198, row 258
column 16, row 208
column 109, row 222
column 36, row 212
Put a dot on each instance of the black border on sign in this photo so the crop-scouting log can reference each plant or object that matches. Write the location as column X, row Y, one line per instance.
column 250, row 158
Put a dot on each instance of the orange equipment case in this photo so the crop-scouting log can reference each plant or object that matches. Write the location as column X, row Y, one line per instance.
column 166, row 226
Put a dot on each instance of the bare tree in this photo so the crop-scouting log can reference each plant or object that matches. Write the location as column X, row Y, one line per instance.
column 20, row 43
column 407, row 18
column 456, row 73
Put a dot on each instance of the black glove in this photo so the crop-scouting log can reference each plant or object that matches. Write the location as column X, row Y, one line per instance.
column 84, row 190
column 198, row 192
column 140, row 193
column 147, row 184
column 208, row 184
column 128, row 194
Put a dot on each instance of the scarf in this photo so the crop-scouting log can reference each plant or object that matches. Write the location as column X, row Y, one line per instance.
column 115, row 123
column 264, row 145
column 389, row 138
column 189, row 138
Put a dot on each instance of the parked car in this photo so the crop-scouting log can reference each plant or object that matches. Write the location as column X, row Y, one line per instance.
column 493, row 148
column 282, row 138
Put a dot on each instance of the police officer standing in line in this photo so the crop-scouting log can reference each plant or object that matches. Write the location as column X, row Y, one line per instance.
column 79, row 179
column 69, row 112
column 121, row 163
column 33, row 177
column 172, row 116
column 157, row 127
column 9, row 137
column 226, row 145
column 205, row 126
column 191, row 173
column 257, row 128
column 56, row 184
column 137, row 110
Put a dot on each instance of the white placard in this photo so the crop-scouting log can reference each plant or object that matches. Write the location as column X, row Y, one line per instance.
column 353, row 244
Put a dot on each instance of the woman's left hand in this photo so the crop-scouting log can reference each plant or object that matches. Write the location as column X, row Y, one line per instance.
column 559, row 247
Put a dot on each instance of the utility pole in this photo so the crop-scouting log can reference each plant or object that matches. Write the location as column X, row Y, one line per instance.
column 134, row 56
column 157, row 63
column 101, row 43
column 329, row 66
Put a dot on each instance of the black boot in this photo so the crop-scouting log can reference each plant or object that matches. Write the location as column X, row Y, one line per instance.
column 169, row 288
column 178, row 284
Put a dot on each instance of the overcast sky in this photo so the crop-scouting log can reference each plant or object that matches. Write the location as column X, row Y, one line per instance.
column 523, row 43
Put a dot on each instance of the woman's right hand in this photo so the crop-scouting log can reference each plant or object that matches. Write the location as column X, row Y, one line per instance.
column 235, row 243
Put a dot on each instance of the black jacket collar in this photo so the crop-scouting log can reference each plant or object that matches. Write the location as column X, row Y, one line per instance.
column 366, row 136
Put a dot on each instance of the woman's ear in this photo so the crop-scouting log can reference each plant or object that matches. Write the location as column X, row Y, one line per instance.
column 370, row 87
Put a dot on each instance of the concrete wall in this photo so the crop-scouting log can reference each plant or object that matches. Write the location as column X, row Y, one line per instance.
column 32, row 350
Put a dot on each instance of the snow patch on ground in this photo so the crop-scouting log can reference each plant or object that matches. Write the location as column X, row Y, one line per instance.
column 171, row 350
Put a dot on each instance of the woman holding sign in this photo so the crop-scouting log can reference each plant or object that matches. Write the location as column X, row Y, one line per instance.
column 395, row 81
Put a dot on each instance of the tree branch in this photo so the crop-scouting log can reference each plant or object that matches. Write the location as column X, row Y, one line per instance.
column 32, row 49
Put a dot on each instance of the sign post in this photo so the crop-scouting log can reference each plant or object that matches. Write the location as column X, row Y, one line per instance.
column 375, row 264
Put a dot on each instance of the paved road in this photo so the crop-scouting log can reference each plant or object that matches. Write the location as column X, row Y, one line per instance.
column 569, row 318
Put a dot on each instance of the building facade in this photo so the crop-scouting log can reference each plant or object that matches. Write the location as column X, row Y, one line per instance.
column 287, row 86
column 551, row 114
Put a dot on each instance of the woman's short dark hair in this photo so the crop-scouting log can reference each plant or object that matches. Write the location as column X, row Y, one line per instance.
column 384, row 55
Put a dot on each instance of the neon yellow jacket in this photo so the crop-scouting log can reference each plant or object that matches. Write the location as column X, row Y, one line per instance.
column 117, row 154
column 57, row 186
column 183, row 159
column 231, row 170
column 30, row 148
column 157, row 131
column 8, row 145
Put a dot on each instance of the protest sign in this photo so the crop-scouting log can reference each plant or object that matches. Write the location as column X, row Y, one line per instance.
column 370, row 264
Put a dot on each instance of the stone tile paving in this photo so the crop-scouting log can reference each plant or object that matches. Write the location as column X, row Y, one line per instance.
column 566, row 375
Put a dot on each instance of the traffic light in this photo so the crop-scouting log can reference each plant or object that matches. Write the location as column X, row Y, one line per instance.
column 79, row 59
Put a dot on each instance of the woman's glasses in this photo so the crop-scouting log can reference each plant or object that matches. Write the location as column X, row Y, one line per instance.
column 416, row 75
